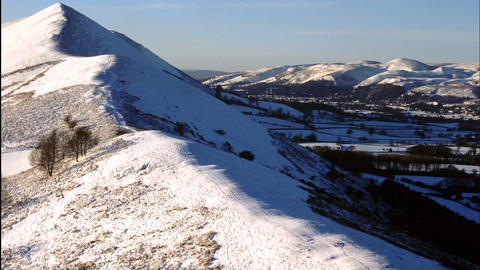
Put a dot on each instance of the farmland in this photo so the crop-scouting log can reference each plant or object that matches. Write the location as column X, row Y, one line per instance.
column 382, row 139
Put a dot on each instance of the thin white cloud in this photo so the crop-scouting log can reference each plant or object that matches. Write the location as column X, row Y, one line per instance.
column 376, row 1
column 408, row 35
column 328, row 33
column 279, row 4
column 167, row 5
column 235, row 4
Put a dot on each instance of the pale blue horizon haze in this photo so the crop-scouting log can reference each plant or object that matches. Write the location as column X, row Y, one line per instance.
column 248, row 35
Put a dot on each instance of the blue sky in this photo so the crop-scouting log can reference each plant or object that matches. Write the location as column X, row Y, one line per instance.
column 245, row 35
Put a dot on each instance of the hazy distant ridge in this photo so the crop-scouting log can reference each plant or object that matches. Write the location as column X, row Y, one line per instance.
column 461, row 80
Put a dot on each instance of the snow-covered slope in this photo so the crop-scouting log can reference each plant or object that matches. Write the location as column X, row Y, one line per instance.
column 153, row 200
column 117, row 80
column 408, row 73
column 159, row 196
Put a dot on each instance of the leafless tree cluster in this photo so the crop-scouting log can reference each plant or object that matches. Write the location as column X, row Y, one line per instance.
column 59, row 144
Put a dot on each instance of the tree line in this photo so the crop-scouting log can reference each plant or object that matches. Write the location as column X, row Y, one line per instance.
column 58, row 144
column 361, row 161
column 431, row 222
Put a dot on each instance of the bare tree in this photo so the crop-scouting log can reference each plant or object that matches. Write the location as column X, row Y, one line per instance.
column 63, row 136
column 371, row 131
column 218, row 91
column 45, row 154
column 79, row 140
column 78, row 143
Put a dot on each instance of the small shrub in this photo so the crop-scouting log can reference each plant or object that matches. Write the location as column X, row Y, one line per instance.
column 6, row 199
column 181, row 128
column 83, row 266
column 220, row 131
column 334, row 174
column 297, row 139
column 311, row 138
column 212, row 144
column 71, row 123
column 120, row 131
column 248, row 155
column 227, row 147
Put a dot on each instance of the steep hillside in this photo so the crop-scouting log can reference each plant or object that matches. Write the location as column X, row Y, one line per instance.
column 153, row 200
column 118, row 81
column 165, row 187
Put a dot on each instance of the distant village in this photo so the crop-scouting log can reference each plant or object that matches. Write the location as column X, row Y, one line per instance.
column 466, row 109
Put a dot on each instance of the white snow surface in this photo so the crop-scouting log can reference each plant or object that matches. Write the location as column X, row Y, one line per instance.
column 160, row 190
column 459, row 80
column 81, row 52
column 458, row 208
column 15, row 162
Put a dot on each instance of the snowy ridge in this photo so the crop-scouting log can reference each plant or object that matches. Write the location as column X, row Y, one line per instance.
column 408, row 73
column 406, row 64
column 155, row 200
column 157, row 197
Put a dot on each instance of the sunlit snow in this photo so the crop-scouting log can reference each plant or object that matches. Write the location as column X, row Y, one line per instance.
column 151, row 199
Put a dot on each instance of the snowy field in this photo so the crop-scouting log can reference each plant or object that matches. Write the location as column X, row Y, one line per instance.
column 15, row 162
column 419, row 189
column 429, row 180
column 246, row 109
column 458, row 208
column 468, row 168
column 374, row 148
column 321, row 136
column 470, row 194
column 448, row 116
column 271, row 106
column 452, row 205
column 276, row 123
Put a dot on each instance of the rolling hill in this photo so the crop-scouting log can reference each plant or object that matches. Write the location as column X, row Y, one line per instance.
column 455, row 80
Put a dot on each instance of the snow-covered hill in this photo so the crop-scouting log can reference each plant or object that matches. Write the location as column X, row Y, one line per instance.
column 459, row 80
column 157, row 197
column 116, row 82
column 153, row 200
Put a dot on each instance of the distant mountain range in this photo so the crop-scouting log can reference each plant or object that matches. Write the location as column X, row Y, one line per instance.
column 459, row 80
